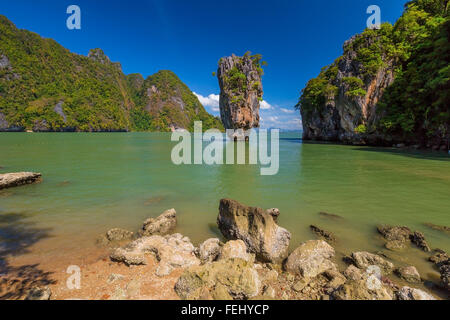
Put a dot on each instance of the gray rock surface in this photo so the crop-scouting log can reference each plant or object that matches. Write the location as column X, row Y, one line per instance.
column 256, row 228
column 311, row 259
column 209, row 250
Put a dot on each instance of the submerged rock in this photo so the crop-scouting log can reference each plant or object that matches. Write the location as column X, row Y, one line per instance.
column 407, row 293
column 437, row 227
column 256, row 228
column 321, row 233
column 409, row 274
column 419, row 240
column 240, row 91
column 396, row 233
column 439, row 258
column 330, row 215
column 228, row 278
column 398, row 237
column 311, row 259
column 364, row 260
column 9, row 180
column 161, row 225
column 118, row 234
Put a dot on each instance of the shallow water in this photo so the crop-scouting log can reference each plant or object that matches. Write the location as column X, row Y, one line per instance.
column 93, row 182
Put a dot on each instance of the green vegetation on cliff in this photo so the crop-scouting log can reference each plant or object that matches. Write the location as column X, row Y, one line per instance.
column 45, row 87
column 415, row 106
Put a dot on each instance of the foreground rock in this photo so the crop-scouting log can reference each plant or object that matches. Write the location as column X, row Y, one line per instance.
column 407, row 293
column 240, row 91
column 209, row 250
column 174, row 251
column 221, row 280
column 9, row 180
column 256, row 228
column 235, row 249
column 161, row 225
column 311, row 259
column 364, row 260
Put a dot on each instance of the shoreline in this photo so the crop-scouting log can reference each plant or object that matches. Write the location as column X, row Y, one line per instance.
column 106, row 279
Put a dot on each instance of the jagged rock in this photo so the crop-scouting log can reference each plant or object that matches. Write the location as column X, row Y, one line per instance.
column 407, row 293
column 9, row 180
column 4, row 62
column 209, row 250
column 353, row 273
column 256, row 228
column 311, row 259
column 172, row 251
column 439, row 258
column 274, row 212
column 364, row 260
column 360, row 290
column 445, row 274
column 335, row 280
column 409, row 274
column 161, row 225
column 235, row 249
column 38, row 293
column 236, row 276
column 321, row 233
column 59, row 110
column 118, row 234
column 240, row 91
column 419, row 240
column 395, row 233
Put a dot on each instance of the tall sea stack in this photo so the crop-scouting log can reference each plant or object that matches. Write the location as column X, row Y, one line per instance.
column 240, row 91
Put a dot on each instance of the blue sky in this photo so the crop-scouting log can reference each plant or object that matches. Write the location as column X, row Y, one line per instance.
column 296, row 37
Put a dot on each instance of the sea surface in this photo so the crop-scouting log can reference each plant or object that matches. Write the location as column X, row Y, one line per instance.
column 94, row 182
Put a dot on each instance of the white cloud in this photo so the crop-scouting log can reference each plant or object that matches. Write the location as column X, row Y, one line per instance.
column 265, row 105
column 210, row 101
column 287, row 110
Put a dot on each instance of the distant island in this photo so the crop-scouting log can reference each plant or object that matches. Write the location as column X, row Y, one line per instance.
column 46, row 88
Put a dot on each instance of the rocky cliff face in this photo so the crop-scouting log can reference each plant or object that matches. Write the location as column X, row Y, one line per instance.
column 240, row 91
column 390, row 87
column 350, row 96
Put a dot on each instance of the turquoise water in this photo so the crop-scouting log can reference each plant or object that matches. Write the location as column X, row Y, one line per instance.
column 93, row 182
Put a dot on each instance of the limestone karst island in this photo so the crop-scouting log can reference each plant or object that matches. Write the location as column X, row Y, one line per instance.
column 350, row 103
